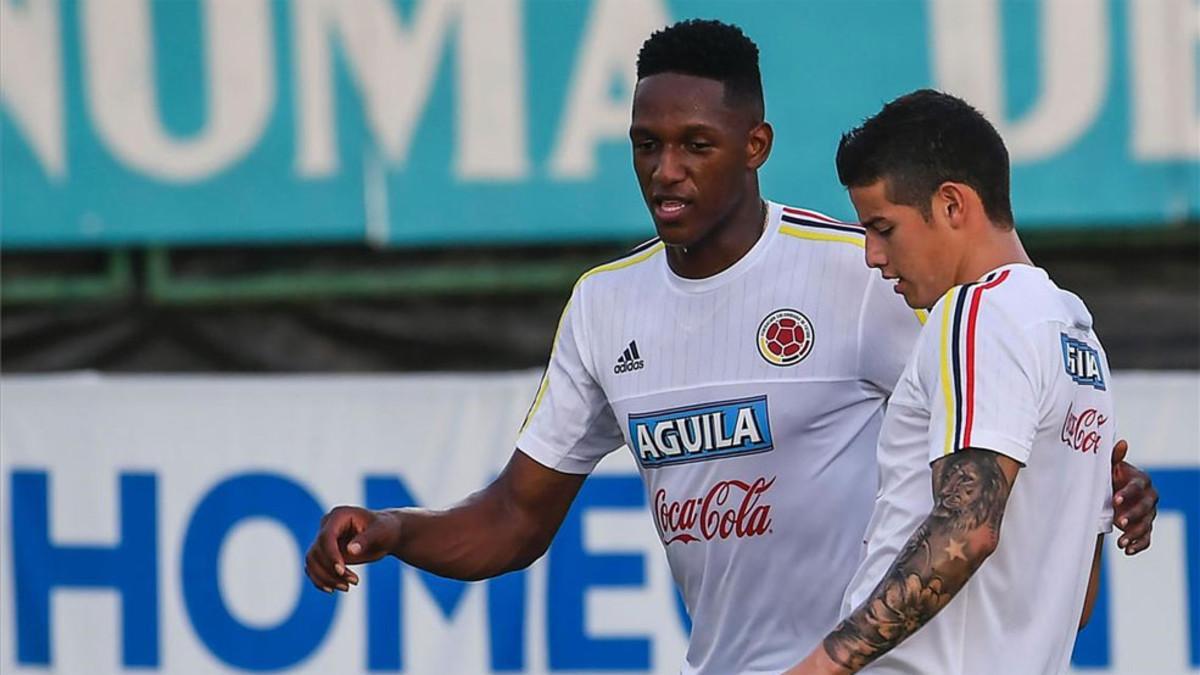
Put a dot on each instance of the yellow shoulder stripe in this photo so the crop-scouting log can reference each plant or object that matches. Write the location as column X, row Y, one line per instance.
column 822, row 236
column 623, row 262
column 947, row 388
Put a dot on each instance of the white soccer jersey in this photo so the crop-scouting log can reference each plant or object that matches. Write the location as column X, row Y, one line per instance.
column 751, row 401
column 1009, row 364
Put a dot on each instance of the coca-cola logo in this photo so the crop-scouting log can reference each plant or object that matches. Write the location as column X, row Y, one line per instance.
column 1082, row 431
column 730, row 508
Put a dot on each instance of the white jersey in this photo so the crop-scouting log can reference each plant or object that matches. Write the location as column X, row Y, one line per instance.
column 751, row 401
column 1009, row 364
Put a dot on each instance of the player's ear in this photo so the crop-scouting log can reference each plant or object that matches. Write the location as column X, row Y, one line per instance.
column 758, row 145
column 951, row 202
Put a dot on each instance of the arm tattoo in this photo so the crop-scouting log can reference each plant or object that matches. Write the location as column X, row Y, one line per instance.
column 970, row 492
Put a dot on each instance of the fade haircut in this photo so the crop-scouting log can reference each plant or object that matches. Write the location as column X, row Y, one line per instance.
column 708, row 49
column 921, row 140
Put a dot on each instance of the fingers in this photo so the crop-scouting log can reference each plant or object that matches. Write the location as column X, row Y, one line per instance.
column 1135, row 505
column 319, row 569
column 1119, row 452
column 373, row 542
column 1136, row 522
column 1133, row 546
column 1133, row 508
column 324, row 563
column 1130, row 495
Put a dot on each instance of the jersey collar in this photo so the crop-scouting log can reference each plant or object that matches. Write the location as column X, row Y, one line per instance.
column 737, row 269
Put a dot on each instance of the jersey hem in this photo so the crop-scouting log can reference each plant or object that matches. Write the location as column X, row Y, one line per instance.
column 983, row 439
column 544, row 454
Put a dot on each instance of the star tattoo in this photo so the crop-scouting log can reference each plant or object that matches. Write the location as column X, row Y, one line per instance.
column 955, row 550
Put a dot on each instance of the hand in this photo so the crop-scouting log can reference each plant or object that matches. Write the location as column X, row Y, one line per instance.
column 1135, row 502
column 817, row 663
column 349, row 535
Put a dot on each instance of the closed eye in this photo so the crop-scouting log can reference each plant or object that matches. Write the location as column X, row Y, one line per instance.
column 879, row 226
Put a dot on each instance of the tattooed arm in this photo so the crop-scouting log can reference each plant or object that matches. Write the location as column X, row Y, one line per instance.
column 970, row 490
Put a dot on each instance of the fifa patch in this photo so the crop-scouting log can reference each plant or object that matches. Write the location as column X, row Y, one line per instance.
column 701, row 432
column 785, row 337
column 1082, row 362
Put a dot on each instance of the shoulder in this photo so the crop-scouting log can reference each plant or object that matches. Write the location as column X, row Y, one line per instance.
column 999, row 310
column 997, row 294
column 621, row 271
column 825, row 246
column 814, row 226
column 1020, row 296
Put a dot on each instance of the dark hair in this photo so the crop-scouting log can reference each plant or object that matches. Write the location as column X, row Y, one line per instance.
column 708, row 49
column 921, row 140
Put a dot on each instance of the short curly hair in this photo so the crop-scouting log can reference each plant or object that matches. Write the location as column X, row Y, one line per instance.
column 710, row 49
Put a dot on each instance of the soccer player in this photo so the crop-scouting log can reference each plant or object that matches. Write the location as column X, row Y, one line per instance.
column 995, row 450
column 744, row 356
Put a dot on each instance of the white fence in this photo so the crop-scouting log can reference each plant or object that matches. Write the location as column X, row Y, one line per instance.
column 158, row 523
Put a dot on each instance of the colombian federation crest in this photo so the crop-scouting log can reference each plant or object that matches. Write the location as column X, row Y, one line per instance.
column 785, row 337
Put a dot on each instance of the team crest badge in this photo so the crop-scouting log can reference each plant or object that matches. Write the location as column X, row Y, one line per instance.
column 785, row 337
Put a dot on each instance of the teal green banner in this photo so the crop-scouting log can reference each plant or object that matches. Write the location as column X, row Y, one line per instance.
column 451, row 122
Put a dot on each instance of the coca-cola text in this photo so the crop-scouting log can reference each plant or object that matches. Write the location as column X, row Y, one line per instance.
column 731, row 508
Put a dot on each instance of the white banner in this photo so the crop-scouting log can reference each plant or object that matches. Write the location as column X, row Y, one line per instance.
column 158, row 523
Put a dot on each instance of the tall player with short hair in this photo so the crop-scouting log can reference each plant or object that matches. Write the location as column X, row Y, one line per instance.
column 995, row 450
column 744, row 356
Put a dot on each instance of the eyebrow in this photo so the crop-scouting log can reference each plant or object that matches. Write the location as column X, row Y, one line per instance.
column 689, row 129
column 873, row 222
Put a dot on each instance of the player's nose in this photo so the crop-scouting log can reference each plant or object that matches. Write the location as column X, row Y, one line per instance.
column 876, row 256
column 670, row 168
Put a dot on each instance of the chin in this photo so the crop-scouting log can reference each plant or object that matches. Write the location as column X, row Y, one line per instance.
column 675, row 234
column 917, row 303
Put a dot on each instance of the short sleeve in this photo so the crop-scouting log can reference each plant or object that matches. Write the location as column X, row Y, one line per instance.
column 978, row 371
column 888, row 330
column 570, row 425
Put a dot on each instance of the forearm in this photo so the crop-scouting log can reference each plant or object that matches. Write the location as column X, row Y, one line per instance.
column 478, row 538
column 504, row 527
column 1093, row 587
column 938, row 559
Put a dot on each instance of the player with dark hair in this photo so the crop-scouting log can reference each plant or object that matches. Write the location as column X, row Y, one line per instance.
column 996, row 443
column 953, row 141
column 711, row 50
column 744, row 356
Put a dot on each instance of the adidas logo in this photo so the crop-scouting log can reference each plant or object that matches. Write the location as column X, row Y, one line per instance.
column 630, row 360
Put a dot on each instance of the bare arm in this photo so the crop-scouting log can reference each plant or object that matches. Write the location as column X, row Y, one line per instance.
column 970, row 489
column 503, row 527
column 1093, row 587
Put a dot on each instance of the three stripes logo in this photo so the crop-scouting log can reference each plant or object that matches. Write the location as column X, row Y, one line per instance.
column 630, row 360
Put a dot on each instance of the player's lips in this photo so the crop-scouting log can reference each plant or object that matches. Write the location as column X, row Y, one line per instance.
column 669, row 209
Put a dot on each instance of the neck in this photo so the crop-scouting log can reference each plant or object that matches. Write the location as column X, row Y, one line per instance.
column 725, row 244
column 1002, row 247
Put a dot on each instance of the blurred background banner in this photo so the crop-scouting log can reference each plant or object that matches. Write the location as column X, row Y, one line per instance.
column 427, row 122
column 158, row 523
column 361, row 190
